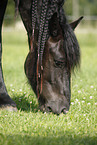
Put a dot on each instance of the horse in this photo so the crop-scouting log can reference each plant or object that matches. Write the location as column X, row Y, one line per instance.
column 53, row 53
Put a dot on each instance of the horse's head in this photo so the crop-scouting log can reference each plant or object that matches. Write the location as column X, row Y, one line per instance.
column 50, row 77
column 61, row 54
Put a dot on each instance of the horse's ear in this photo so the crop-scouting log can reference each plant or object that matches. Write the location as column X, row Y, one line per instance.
column 75, row 23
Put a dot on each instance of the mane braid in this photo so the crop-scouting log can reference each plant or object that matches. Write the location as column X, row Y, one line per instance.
column 41, row 28
column 51, row 8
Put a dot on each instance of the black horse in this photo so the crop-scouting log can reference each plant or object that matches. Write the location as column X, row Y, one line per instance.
column 53, row 53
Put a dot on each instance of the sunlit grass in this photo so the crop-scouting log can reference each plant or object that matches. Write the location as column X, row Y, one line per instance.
column 30, row 126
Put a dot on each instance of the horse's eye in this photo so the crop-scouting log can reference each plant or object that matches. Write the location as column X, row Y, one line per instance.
column 59, row 63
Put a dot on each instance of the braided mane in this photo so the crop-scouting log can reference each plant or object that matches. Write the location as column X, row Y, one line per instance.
column 49, row 7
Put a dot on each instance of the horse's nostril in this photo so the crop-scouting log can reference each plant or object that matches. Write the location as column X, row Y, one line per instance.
column 49, row 109
column 64, row 111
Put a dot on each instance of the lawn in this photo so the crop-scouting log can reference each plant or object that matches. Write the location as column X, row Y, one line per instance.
column 29, row 126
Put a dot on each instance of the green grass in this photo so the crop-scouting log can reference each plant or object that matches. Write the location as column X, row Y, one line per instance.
column 29, row 126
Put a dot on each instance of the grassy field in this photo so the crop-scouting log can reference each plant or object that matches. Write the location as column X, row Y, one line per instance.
column 28, row 126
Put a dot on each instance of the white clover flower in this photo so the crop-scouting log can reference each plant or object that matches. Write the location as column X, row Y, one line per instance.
column 79, row 91
column 30, row 102
column 96, row 103
column 12, row 90
column 84, row 98
column 88, row 103
column 83, row 101
column 20, row 90
column 79, row 103
column 11, row 85
column 84, row 115
column 91, row 97
column 72, row 103
column 92, row 86
column 76, row 100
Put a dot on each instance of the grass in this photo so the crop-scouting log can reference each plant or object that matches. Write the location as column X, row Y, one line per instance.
column 29, row 126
